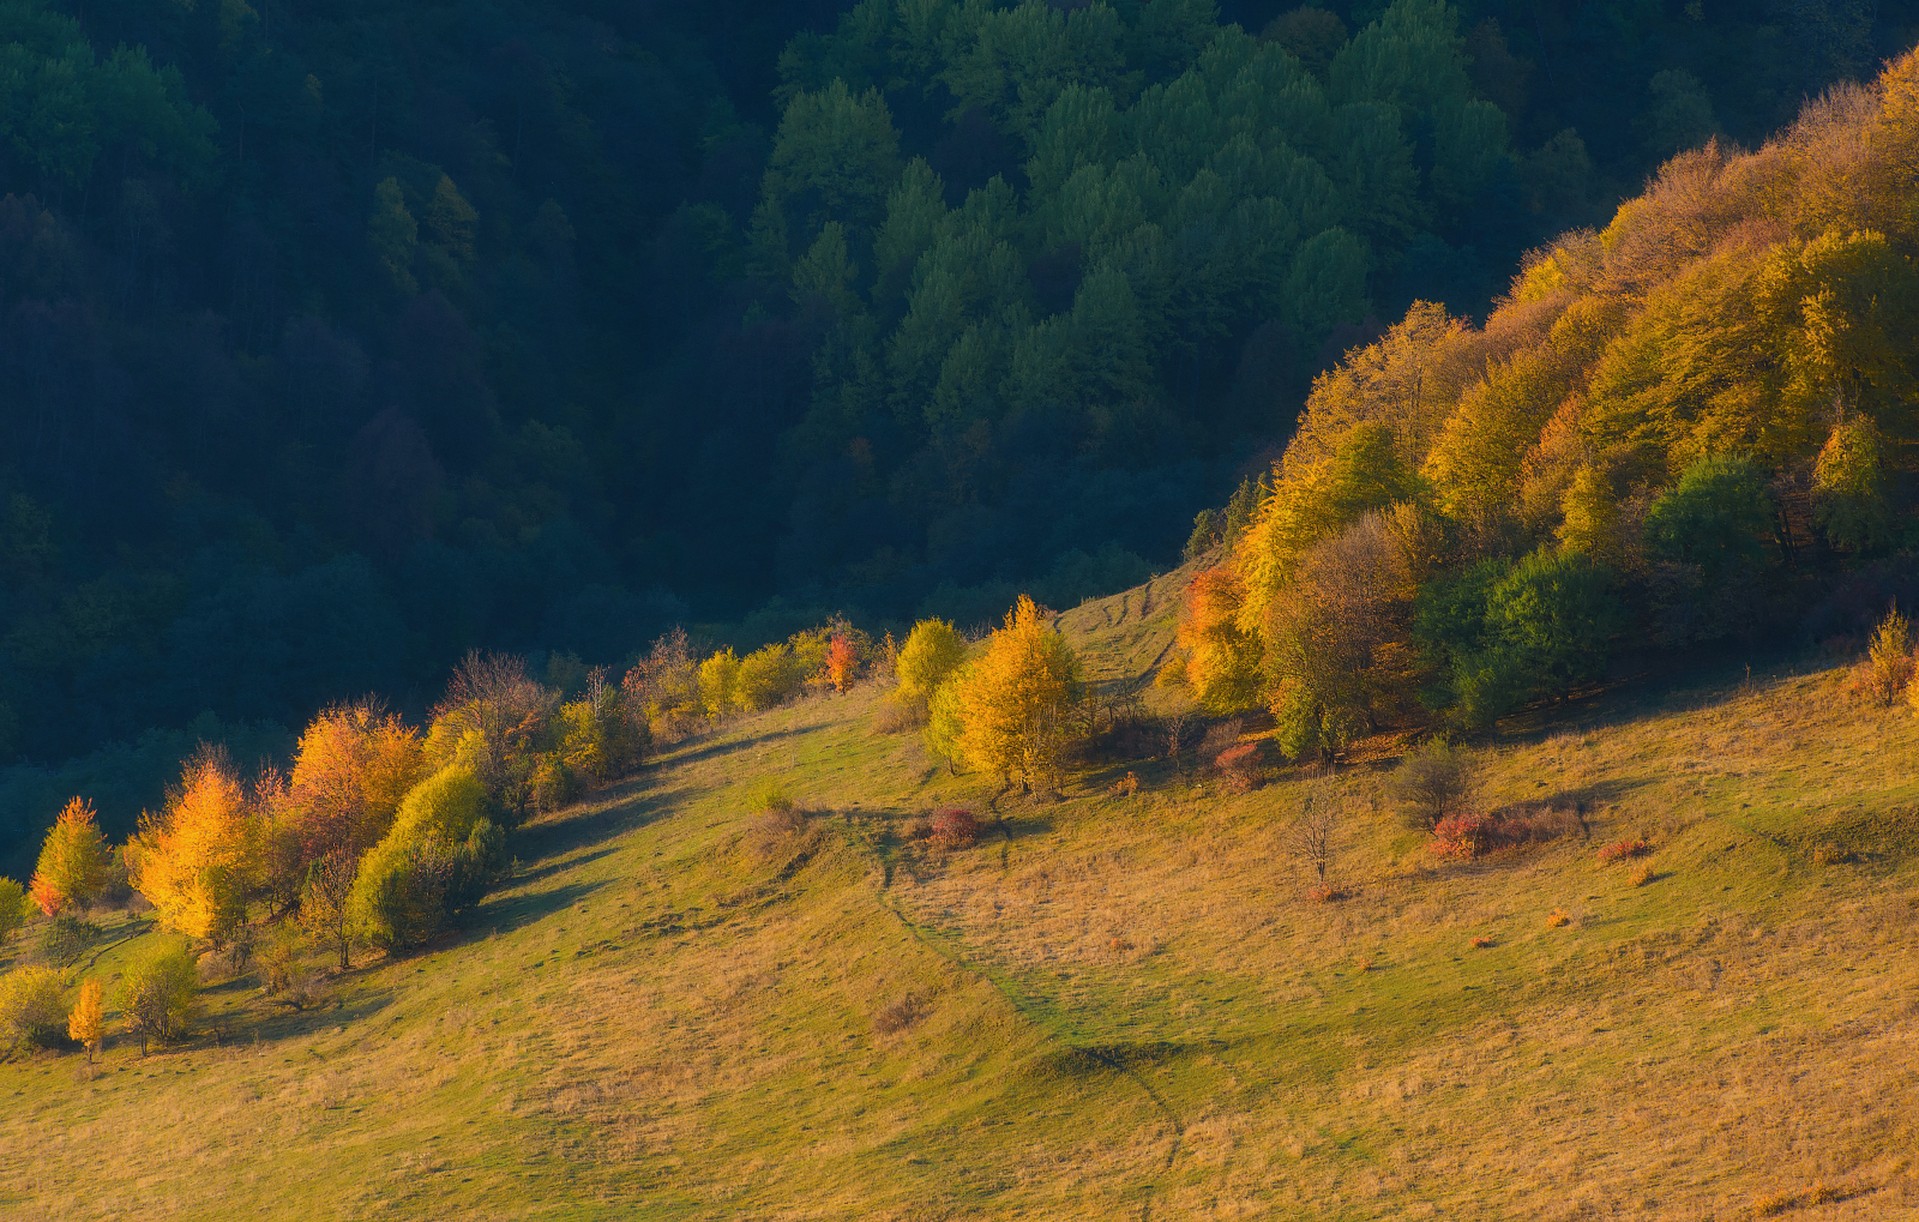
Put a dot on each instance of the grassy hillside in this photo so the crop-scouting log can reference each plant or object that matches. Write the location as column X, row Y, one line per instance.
column 1111, row 1007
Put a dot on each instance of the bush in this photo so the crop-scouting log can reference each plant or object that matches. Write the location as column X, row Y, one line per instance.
column 898, row 1015
column 769, row 677
column 439, row 856
column 1886, row 673
column 32, row 1010
column 1461, row 837
column 955, row 828
column 1623, row 850
column 1430, row 783
column 1244, row 767
column 1559, row 918
column 554, row 784
column 159, row 993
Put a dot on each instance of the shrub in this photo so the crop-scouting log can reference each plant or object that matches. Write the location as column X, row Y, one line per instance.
column 896, row 1016
column 1430, row 783
column 1886, row 673
column 1461, row 837
column 553, row 784
column 31, row 1008
column 13, row 910
column 1127, row 786
column 1643, row 875
column 1484, row 941
column 159, row 993
column 776, row 829
column 720, row 685
column 771, row 797
column 1243, row 768
column 955, row 828
column 1559, row 918
column 1623, row 850
column 769, row 677
column 439, row 856
column 842, row 664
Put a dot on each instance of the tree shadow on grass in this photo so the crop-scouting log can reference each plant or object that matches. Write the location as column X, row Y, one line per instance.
column 281, row 1023
column 617, row 811
column 500, row 914
column 713, row 750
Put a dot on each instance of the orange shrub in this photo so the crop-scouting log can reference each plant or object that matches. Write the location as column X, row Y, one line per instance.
column 1623, row 850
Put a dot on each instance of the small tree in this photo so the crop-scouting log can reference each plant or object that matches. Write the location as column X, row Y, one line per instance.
column 1430, row 782
column 1886, row 673
column 13, row 910
column 1016, row 702
column 720, row 684
column 31, row 1011
column 192, row 861
column 160, row 992
column 1310, row 839
column 325, row 907
column 73, row 861
column 932, row 652
column 86, row 1024
column 842, row 662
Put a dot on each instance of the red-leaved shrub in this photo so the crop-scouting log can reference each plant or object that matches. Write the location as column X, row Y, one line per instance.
column 1462, row 837
column 1623, row 850
column 955, row 828
column 1243, row 768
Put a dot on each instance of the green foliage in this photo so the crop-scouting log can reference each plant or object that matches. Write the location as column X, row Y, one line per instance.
column 1849, row 487
column 159, row 992
column 438, row 857
column 1501, row 635
column 13, row 910
column 32, row 1006
column 1712, row 530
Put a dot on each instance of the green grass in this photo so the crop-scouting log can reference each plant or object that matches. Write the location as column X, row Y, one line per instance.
column 1127, row 1006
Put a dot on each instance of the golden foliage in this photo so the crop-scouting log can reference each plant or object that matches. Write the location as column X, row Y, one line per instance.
column 73, row 861
column 353, row 766
column 86, row 1024
column 193, row 861
column 1017, row 700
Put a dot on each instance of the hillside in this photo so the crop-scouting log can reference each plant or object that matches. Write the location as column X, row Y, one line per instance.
column 1119, row 1006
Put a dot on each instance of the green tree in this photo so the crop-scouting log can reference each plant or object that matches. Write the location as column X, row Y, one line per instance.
column 159, row 992
column 13, row 910
column 933, row 651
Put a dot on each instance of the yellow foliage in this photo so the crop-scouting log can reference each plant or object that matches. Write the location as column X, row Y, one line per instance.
column 193, row 861
column 73, row 861
column 932, row 652
column 86, row 1025
column 1016, row 701
column 1222, row 659
column 354, row 765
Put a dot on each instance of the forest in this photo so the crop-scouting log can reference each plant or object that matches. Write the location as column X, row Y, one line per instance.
column 343, row 341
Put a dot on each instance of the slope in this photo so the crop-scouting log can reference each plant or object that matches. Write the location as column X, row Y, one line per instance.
column 1111, row 1007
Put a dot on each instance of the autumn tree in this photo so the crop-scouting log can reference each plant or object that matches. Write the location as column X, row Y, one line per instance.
column 932, row 652
column 193, row 860
column 1017, row 699
column 491, row 721
column 73, row 861
column 437, row 857
column 842, row 662
column 353, row 764
column 13, row 910
column 325, row 905
column 720, row 684
column 86, row 1023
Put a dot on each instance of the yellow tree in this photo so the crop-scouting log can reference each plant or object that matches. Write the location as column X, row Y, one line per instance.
column 354, row 765
column 73, row 861
column 932, row 652
column 1016, row 702
column 86, row 1025
column 192, row 862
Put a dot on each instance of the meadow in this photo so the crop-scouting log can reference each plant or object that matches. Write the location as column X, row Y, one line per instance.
column 1111, row 1006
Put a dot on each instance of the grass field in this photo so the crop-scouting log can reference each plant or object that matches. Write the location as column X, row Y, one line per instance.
column 1111, row 1007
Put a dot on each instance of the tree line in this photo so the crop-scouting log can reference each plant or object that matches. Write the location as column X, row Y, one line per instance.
column 1691, row 428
